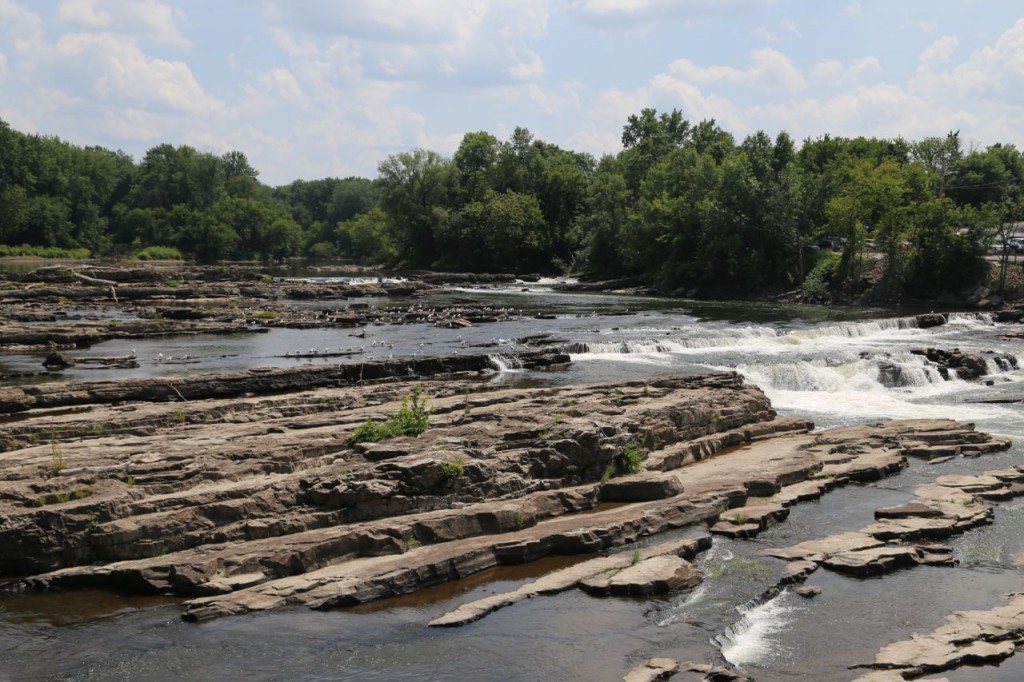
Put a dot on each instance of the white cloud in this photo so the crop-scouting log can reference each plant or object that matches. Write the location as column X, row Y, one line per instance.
column 769, row 70
column 3, row 67
column 787, row 27
column 832, row 72
column 475, row 43
column 281, row 84
column 642, row 11
column 854, row 9
column 527, row 70
column 137, row 18
column 118, row 70
column 24, row 25
column 995, row 72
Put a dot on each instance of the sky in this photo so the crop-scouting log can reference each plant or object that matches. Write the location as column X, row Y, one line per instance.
column 310, row 89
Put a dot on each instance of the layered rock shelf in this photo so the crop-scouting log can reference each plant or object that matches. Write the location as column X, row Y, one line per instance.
column 246, row 500
column 967, row 638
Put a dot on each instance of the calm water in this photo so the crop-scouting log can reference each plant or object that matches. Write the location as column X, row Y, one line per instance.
column 817, row 362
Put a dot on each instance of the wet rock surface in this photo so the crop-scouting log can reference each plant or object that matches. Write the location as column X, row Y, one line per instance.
column 967, row 638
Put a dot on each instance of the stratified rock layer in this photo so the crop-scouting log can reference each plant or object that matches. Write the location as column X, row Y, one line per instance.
column 261, row 501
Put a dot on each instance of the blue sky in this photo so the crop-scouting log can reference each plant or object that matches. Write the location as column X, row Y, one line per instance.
column 316, row 88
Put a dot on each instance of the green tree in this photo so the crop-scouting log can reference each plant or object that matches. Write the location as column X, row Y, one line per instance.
column 415, row 189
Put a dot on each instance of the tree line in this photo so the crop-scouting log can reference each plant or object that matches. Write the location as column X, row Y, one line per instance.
column 682, row 206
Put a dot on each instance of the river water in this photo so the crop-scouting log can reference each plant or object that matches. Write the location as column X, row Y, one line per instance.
column 836, row 366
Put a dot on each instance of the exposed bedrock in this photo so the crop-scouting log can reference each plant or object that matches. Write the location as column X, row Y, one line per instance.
column 967, row 638
column 957, row 364
column 253, row 381
column 257, row 501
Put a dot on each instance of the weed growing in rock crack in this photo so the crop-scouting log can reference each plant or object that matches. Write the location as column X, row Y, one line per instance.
column 413, row 543
column 568, row 402
column 635, row 559
column 130, row 481
column 609, row 471
column 452, row 469
column 60, row 498
column 739, row 519
column 56, row 456
column 412, row 419
column 647, row 391
column 631, row 458
column 468, row 407
column 521, row 519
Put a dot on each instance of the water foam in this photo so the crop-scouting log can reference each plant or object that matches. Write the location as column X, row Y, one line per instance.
column 505, row 363
column 752, row 640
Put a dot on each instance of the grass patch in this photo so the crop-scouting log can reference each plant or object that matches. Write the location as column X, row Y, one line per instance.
column 60, row 498
column 56, row 456
column 452, row 469
column 27, row 251
column 159, row 253
column 412, row 419
column 265, row 315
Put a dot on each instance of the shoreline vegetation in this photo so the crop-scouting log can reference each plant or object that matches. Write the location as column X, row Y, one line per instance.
column 684, row 209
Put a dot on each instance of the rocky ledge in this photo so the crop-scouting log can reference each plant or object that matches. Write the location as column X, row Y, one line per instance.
column 253, row 501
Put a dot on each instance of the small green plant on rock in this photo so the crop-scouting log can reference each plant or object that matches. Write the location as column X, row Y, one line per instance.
column 56, row 456
column 521, row 519
column 631, row 458
column 412, row 419
column 635, row 559
column 452, row 469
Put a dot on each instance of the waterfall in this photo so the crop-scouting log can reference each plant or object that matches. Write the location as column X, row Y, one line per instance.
column 751, row 639
column 505, row 363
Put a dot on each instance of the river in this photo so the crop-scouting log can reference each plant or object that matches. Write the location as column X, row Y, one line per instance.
column 836, row 366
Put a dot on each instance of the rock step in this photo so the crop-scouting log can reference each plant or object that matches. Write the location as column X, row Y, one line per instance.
column 568, row 578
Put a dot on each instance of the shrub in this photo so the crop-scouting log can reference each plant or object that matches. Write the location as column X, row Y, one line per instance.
column 159, row 253
column 820, row 280
column 631, row 458
column 452, row 468
column 412, row 419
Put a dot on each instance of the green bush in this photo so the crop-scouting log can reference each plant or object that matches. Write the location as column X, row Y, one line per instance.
column 452, row 468
column 412, row 419
column 630, row 459
column 159, row 253
column 820, row 280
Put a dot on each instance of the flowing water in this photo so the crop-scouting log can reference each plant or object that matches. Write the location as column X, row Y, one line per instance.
column 836, row 366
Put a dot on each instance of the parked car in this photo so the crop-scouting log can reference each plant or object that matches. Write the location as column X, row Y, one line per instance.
column 1016, row 244
column 834, row 243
